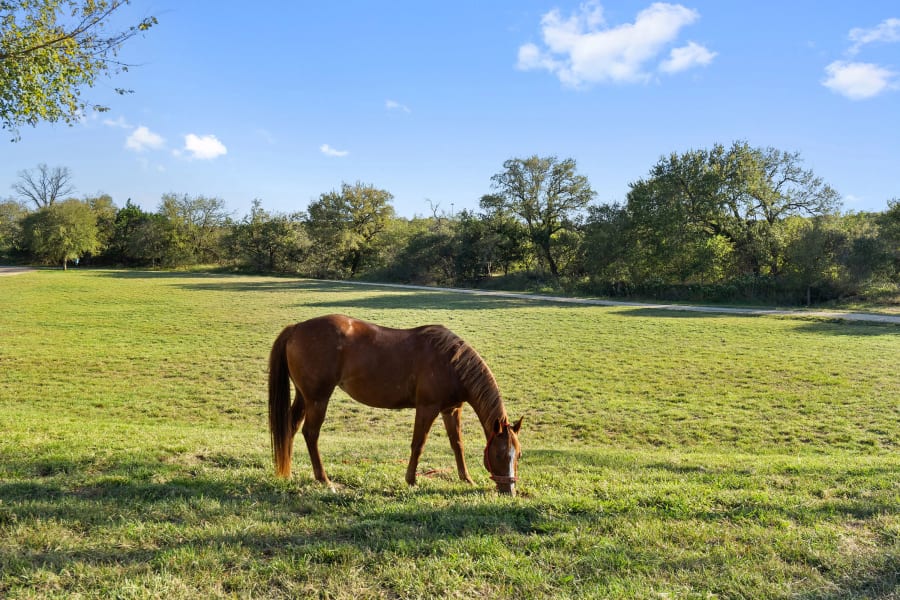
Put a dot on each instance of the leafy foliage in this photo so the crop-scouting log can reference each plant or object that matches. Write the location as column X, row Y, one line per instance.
column 62, row 232
column 268, row 243
column 344, row 226
column 50, row 50
column 547, row 195
column 740, row 195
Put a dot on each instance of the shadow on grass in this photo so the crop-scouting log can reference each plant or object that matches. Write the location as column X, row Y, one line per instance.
column 347, row 295
column 810, row 324
column 666, row 313
column 145, row 516
column 850, row 328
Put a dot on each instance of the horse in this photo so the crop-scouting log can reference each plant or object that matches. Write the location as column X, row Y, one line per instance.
column 427, row 368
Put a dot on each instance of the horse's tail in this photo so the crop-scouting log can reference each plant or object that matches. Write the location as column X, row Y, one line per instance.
column 280, row 426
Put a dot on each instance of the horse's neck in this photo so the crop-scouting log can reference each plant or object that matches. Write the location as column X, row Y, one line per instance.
column 489, row 412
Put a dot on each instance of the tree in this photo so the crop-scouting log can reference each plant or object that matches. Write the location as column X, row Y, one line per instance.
column 813, row 256
column 50, row 50
column 44, row 185
column 547, row 195
column 889, row 223
column 671, row 215
column 267, row 242
column 126, row 221
column 105, row 210
column 344, row 227
column 11, row 215
column 197, row 224
column 61, row 232
column 609, row 255
column 739, row 195
column 152, row 241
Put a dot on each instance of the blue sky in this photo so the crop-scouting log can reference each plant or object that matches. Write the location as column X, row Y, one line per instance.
column 284, row 101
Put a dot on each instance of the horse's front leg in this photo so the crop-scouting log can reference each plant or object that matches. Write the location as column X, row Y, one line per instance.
column 453, row 425
column 425, row 416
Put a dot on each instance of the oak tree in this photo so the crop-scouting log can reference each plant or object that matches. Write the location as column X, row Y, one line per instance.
column 548, row 196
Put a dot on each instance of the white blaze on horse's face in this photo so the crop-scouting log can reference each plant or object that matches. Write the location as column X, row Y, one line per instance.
column 513, row 457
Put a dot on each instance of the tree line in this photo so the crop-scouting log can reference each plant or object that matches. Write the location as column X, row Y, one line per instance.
column 728, row 223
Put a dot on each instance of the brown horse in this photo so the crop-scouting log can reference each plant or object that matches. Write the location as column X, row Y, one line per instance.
column 427, row 368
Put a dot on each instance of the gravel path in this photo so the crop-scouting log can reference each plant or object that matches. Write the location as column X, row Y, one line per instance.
column 13, row 270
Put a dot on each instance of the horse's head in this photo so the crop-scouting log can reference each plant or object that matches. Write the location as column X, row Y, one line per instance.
column 501, row 455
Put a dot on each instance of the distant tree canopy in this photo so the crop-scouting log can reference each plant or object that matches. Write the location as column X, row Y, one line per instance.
column 703, row 207
column 343, row 225
column 724, row 224
column 268, row 242
column 50, row 50
column 62, row 232
column 545, row 194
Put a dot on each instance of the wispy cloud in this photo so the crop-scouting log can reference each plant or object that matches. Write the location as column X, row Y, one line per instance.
column 394, row 105
column 204, row 147
column 687, row 57
column 143, row 139
column 119, row 122
column 887, row 31
column 329, row 151
column 582, row 49
column 858, row 81
column 265, row 134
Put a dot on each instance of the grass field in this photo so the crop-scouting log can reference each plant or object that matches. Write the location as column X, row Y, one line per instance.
column 666, row 454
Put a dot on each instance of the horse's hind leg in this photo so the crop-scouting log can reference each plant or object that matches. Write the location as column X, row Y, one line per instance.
column 296, row 417
column 298, row 408
column 314, row 416
column 453, row 426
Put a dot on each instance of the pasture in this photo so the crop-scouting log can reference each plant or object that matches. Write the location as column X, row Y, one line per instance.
column 665, row 454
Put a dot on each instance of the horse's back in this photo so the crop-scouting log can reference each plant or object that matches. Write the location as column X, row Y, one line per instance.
column 376, row 365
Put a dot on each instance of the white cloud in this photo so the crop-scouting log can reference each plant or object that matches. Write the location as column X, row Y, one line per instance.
column 329, row 151
column 582, row 49
column 687, row 57
column 887, row 31
column 143, row 139
column 204, row 147
column 119, row 122
column 858, row 81
column 394, row 105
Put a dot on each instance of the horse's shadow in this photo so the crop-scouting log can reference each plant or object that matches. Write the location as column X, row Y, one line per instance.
column 173, row 500
column 277, row 517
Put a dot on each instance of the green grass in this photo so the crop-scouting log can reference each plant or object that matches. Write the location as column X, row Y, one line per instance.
column 666, row 455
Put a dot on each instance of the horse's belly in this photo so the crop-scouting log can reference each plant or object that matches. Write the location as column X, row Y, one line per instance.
column 379, row 397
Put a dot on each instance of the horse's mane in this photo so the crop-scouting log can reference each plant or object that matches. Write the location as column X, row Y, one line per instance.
column 472, row 371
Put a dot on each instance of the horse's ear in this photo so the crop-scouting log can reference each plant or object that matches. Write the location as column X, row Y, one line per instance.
column 518, row 425
column 498, row 426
